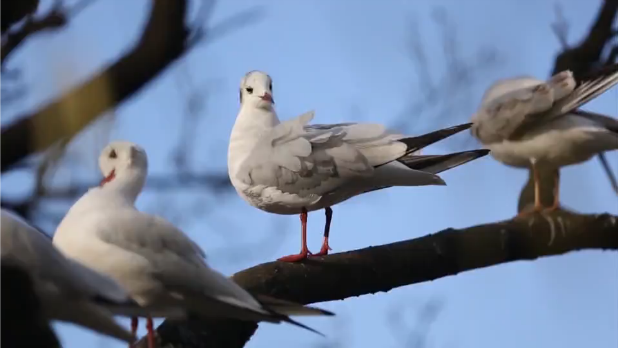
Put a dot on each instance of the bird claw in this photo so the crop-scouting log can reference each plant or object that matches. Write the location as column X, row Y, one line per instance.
column 324, row 250
column 296, row 257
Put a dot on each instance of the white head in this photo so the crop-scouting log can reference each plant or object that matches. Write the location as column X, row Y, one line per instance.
column 124, row 166
column 256, row 90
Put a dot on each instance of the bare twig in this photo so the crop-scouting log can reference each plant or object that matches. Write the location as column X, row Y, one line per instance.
column 561, row 27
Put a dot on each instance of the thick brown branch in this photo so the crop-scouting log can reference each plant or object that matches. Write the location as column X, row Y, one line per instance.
column 382, row 268
column 162, row 42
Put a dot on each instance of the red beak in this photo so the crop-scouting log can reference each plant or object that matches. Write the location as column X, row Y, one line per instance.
column 108, row 178
column 267, row 97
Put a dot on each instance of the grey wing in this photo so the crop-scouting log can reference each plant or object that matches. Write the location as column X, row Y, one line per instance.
column 314, row 159
column 609, row 123
column 506, row 106
column 175, row 260
column 30, row 247
column 569, row 95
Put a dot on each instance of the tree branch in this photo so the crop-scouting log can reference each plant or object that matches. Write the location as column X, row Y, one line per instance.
column 382, row 268
column 162, row 42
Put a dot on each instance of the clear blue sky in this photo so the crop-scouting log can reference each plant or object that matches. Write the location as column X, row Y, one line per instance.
column 348, row 60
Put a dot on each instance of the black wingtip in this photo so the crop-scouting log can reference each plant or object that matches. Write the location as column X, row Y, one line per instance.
column 436, row 164
column 416, row 143
column 303, row 326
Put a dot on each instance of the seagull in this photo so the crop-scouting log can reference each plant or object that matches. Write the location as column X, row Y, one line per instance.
column 162, row 269
column 292, row 167
column 67, row 290
column 530, row 123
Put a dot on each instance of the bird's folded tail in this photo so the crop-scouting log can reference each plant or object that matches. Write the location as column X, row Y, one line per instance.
column 416, row 143
column 290, row 308
column 436, row 164
column 267, row 309
column 91, row 316
column 283, row 309
column 590, row 87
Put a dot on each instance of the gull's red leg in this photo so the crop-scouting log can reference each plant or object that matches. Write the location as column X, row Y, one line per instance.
column 304, row 251
column 133, row 328
column 556, row 204
column 537, row 195
column 325, row 247
column 151, row 334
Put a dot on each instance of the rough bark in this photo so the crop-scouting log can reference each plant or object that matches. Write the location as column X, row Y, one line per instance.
column 163, row 40
column 382, row 268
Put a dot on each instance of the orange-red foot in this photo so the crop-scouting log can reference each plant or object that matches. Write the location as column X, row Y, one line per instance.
column 324, row 250
column 296, row 257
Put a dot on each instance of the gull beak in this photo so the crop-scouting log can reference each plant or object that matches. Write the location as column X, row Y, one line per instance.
column 267, row 97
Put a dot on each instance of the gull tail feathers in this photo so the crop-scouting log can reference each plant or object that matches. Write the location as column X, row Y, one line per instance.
column 416, row 143
column 233, row 308
column 290, row 308
column 436, row 164
column 589, row 88
column 91, row 316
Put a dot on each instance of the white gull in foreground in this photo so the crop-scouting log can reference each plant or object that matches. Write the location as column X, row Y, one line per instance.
column 529, row 123
column 162, row 269
column 292, row 167
column 67, row 290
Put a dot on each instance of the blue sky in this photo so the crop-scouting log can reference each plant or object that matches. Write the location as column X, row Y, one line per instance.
column 349, row 61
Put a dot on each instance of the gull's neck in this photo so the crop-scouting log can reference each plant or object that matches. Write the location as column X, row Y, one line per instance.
column 251, row 123
column 126, row 185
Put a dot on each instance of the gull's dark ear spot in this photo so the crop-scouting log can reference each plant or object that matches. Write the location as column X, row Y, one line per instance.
column 113, row 154
column 241, row 95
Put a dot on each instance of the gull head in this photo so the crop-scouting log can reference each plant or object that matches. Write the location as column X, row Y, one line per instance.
column 124, row 165
column 256, row 90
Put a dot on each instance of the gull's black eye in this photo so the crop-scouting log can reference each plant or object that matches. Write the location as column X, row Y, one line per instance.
column 113, row 154
column 249, row 90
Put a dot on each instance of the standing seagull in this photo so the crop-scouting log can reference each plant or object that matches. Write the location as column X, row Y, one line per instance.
column 67, row 290
column 529, row 123
column 291, row 167
column 162, row 269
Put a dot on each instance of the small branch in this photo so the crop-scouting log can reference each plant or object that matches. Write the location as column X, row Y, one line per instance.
column 584, row 57
column 53, row 20
column 162, row 42
column 382, row 268
column 213, row 182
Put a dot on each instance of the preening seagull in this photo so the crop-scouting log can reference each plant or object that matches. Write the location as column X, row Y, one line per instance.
column 67, row 290
column 529, row 123
column 163, row 270
column 292, row 167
